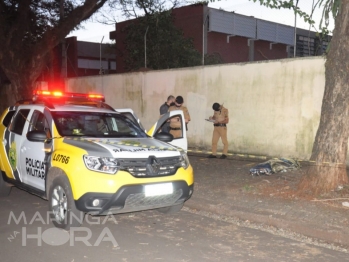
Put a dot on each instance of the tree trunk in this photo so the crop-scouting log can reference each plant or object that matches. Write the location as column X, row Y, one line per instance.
column 331, row 142
column 7, row 97
column 22, row 85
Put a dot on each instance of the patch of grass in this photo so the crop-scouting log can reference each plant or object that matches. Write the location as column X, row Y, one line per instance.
column 247, row 188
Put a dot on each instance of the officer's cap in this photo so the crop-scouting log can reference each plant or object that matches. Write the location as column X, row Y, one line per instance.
column 179, row 100
column 216, row 106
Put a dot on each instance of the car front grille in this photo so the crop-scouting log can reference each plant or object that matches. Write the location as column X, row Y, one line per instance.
column 150, row 167
column 139, row 200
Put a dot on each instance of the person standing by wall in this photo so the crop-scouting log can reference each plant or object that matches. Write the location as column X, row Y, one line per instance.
column 164, row 109
column 221, row 119
column 175, row 122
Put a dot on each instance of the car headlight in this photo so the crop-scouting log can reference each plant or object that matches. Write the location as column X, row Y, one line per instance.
column 184, row 161
column 107, row 165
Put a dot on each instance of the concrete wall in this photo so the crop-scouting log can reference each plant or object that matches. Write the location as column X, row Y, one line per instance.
column 274, row 106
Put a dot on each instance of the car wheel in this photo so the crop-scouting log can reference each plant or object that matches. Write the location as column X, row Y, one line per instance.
column 171, row 209
column 4, row 187
column 62, row 207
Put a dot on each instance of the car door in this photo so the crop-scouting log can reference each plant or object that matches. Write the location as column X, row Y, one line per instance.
column 13, row 138
column 128, row 112
column 181, row 141
column 32, row 157
column 5, row 165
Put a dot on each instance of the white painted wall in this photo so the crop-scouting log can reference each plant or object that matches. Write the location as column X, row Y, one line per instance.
column 274, row 106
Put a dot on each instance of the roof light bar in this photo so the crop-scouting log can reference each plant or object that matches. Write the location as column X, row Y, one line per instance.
column 42, row 92
column 57, row 93
column 96, row 96
column 45, row 94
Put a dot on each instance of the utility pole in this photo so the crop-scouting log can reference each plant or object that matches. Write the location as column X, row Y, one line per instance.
column 100, row 57
column 145, row 47
column 63, row 44
column 203, row 38
column 295, row 31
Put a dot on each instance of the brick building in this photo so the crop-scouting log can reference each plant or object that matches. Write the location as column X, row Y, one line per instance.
column 83, row 59
column 232, row 37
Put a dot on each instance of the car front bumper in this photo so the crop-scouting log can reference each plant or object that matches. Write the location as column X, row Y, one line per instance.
column 131, row 198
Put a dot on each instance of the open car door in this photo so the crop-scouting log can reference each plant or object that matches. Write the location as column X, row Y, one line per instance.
column 128, row 112
column 181, row 141
column 176, row 115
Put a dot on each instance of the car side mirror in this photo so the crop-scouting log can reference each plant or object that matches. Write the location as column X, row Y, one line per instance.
column 163, row 136
column 37, row 136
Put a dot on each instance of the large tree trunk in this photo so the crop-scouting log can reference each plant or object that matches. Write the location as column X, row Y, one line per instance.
column 22, row 84
column 7, row 97
column 331, row 142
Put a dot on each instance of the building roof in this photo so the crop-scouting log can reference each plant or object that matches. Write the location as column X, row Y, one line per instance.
column 92, row 50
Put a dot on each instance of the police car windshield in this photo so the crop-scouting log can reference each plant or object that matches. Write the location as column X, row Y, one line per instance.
column 95, row 125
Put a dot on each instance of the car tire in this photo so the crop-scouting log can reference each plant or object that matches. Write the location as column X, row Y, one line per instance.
column 4, row 187
column 63, row 211
column 171, row 209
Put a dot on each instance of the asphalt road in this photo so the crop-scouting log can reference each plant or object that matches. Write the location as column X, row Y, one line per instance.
column 27, row 235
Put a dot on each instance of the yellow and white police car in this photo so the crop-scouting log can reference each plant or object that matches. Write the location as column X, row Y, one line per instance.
column 85, row 157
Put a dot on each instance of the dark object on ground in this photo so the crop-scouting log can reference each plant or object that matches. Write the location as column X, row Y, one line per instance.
column 274, row 165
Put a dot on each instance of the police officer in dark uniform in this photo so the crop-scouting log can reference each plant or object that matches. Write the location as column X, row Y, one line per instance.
column 164, row 109
column 175, row 123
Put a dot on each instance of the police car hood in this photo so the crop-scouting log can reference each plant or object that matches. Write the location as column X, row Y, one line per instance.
column 124, row 147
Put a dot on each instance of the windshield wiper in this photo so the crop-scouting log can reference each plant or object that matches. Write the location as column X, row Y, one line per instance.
column 121, row 135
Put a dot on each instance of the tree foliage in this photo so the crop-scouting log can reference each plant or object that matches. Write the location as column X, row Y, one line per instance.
column 213, row 59
column 330, row 8
column 30, row 29
column 138, row 8
column 164, row 43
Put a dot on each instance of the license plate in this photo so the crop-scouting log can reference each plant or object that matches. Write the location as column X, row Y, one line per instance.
column 158, row 189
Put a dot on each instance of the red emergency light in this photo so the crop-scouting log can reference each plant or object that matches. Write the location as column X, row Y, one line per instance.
column 45, row 94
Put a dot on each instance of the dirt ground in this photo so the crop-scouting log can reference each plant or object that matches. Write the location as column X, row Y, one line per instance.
column 284, row 185
column 278, row 185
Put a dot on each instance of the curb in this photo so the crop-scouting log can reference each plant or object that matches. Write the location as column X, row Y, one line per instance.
column 322, row 233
